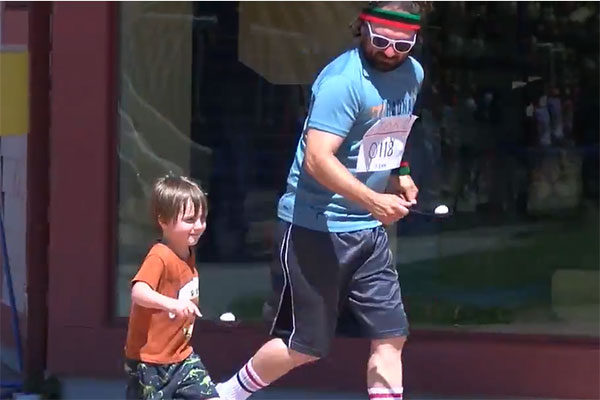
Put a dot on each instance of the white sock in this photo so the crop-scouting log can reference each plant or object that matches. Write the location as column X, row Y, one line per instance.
column 242, row 385
column 380, row 393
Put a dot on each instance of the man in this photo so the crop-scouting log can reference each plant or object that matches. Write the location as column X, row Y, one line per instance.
column 333, row 271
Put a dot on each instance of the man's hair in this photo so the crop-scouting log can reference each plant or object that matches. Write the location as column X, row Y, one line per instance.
column 411, row 7
column 172, row 194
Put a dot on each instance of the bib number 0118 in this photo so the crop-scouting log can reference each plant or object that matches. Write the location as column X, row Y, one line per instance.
column 381, row 149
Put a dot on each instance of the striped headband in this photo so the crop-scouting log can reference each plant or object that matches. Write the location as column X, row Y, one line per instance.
column 393, row 19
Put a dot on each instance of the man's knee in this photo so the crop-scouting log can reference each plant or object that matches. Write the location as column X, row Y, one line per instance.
column 301, row 358
column 385, row 363
column 387, row 349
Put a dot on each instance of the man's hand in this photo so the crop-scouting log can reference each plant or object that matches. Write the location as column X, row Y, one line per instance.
column 404, row 187
column 388, row 208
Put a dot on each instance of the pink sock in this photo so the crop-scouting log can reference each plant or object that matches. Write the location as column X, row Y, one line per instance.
column 382, row 393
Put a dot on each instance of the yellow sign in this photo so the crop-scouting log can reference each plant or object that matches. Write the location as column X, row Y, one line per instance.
column 14, row 92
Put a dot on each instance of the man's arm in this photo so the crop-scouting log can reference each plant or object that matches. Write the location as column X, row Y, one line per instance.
column 400, row 182
column 322, row 164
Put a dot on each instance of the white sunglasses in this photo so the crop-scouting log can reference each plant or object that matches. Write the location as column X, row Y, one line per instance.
column 381, row 42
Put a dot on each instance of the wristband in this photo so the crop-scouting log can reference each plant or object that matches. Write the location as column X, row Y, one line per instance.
column 404, row 169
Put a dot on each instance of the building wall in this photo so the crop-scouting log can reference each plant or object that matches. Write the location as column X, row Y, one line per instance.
column 82, row 325
column 13, row 169
column 13, row 162
column 13, row 138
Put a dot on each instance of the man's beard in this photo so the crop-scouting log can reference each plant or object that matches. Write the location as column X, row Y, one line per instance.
column 382, row 63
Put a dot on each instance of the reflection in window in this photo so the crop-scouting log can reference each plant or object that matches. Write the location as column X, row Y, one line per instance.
column 187, row 105
column 507, row 138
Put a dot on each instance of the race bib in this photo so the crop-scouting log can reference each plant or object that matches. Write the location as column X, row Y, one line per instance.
column 190, row 290
column 383, row 144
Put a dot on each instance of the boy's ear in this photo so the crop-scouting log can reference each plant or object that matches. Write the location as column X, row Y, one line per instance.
column 162, row 222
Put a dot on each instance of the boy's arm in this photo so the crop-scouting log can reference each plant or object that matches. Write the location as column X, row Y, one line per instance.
column 143, row 295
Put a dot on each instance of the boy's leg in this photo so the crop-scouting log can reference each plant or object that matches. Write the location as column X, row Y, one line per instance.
column 305, row 278
column 134, row 387
column 192, row 380
column 148, row 381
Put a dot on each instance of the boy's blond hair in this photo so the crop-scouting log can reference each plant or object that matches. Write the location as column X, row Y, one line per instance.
column 172, row 194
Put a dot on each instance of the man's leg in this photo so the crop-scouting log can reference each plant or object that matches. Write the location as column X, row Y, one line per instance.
column 273, row 360
column 375, row 310
column 304, row 278
column 384, row 369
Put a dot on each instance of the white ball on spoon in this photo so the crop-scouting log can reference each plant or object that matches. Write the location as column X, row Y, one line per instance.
column 227, row 317
column 441, row 209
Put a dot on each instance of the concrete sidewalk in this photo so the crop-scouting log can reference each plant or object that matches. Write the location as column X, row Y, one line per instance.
column 97, row 389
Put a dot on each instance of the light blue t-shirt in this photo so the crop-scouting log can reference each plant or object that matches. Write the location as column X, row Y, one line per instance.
column 348, row 97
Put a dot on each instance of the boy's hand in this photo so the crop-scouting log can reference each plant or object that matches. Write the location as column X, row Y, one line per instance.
column 183, row 308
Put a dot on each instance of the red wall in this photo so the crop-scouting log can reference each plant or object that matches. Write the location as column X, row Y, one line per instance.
column 84, row 340
column 14, row 23
column 80, row 219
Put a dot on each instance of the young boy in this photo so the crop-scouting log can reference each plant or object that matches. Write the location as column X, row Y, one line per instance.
column 161, row 363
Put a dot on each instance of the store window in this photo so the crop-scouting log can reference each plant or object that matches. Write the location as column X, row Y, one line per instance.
column 507, row 138
column 216, row 91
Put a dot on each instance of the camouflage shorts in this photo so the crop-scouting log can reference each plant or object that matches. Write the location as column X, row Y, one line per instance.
column 187, row 379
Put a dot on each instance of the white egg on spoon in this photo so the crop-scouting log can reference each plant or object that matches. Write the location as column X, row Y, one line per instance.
column 441, row 211
column 227, row 317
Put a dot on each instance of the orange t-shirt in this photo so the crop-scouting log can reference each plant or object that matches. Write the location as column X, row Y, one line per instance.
column 152, row 335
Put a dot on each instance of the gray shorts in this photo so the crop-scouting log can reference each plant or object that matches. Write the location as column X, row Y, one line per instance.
column 327, row 284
